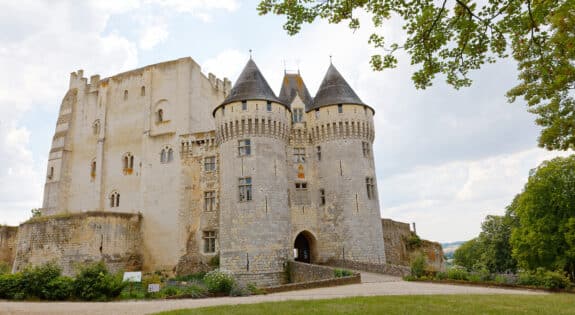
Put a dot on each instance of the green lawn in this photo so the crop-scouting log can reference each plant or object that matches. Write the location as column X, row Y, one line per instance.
column 415, row 304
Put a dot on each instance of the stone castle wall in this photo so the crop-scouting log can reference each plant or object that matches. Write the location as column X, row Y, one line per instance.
column 8, row 241
column 114, row 238
column 401, row 246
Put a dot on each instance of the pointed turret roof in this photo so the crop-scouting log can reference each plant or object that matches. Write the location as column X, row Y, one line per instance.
column 292, row 86
column 334, row 90
column 251, row 85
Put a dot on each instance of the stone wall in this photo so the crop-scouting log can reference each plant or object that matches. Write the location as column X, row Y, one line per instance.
column 401, row 245
column 388, row 269
column 8, row 235
column 302, row 272
column 81, row 238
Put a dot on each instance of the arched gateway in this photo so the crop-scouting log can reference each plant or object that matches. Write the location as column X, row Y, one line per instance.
column 304, row 247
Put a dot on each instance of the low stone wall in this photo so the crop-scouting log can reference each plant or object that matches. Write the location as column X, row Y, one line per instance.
column 262, row 279
column 388, row 269
column 71, row 239
column 309, row 276
column 8, row 236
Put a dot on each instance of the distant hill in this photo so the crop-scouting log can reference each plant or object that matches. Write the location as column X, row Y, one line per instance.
column 449, row 248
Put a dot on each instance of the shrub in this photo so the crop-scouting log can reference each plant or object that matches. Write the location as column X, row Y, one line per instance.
column 413, row 241
column 58, row 289
column 35, row 279
column 457, row 273
column 170, row 291
column 95, row 283
column 194, row 291
column 441, row 275
column 215, row 261
column 544, row 278
column 11, row 287
column 254, row 289
column 418, row 266
column 198, row 276
column 218, row 281
column 340, row 273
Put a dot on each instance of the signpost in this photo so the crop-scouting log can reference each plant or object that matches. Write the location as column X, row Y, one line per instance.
column 131, row 277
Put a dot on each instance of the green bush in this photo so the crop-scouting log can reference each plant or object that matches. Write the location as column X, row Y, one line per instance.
column 441, row 275
column 11, row 287
column 240, row 290
column 34, row 279
column 58, row 289
column 195, row 291
column 254, row 289
column 544, row 278
column 95, row 283
column 340, row 273
column 218, row 281
column 170, row 291
column 418, row 266
column 457, row 273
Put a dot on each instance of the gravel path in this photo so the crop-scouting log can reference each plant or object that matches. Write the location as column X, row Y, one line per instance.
column 372, row 284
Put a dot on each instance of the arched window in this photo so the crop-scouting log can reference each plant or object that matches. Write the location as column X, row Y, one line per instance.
column 128, row 163
column 160, row 115
column 167, row 155
column 93, row 169
column 115, row 200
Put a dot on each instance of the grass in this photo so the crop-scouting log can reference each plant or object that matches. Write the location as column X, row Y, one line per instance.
column 419, row 304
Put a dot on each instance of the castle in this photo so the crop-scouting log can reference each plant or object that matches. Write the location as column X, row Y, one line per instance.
column 163, row 168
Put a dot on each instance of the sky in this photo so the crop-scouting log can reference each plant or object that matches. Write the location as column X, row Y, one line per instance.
column 445, row 158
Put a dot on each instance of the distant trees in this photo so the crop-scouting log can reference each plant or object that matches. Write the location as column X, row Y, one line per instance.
column 538, row 229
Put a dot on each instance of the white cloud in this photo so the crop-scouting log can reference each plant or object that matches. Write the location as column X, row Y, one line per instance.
column 153, row 32
column 229, row 63
column 201, row 9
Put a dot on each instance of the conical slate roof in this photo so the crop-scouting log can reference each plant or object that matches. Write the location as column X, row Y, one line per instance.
column 292, row 86
column 251, row 85
column 334, row 90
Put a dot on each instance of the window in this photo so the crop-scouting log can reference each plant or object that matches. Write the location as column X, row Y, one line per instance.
column 93, row 170
column 297, row 115
column 125, row 95
column 269, row 106
column 209, row 201
column 318, row 152
column 223, row 110
column 210, row 164
column 114, row 200
column 128, row 163
column 340, row 108
column 301, row 195
column 244, row 147
column 245, row 188
column 366, row 149
column 51, row 172
column 143, row 91
column 209, row 241
column 322, row 197
column 299, row 155
column 370, row 187
column 160, row 115
column 96, row 127
column 167, row 155
column 316, row 113
column 244, row 105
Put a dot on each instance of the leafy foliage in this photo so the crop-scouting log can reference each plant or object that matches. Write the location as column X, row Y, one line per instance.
column 454, row 37
column 219, row 281
column 418, row 265
column 340, row 273
column 544, row 278
column 4, row 267
column 95, row 283
column 545, row 214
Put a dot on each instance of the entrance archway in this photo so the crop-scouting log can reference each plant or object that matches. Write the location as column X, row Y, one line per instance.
column 304, row 247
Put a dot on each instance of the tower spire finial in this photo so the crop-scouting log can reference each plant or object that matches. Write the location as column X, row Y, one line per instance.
column 330, row 59
column 250, row 53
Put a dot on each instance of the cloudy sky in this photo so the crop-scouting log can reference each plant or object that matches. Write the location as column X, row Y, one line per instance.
column 445, row 158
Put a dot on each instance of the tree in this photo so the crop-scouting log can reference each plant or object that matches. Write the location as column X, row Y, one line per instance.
column 495, row 245
column 468, row 254
column 453, row 37
column 545, row 213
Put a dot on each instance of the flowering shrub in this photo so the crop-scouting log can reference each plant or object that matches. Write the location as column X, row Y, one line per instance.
column 219, row 281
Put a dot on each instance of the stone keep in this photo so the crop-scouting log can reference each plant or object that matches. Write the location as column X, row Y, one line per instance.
column 209, row 171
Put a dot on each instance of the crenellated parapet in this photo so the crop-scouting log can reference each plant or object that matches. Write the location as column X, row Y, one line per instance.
column 340, row 122
column 236, row 120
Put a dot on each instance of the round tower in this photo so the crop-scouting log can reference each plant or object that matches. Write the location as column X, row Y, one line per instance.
column 252, row 130
column 341, row 129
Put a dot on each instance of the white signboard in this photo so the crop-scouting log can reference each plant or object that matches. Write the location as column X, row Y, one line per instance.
column 135, row 276
column 154, row 287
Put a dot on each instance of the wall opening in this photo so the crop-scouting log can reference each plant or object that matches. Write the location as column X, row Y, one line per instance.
column 304, row 247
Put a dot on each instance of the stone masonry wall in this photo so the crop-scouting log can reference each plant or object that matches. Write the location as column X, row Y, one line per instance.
column 8, row 235
column 81, row 238
column 399, row 250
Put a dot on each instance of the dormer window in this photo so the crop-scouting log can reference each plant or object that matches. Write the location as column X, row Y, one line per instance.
column 340, row 108
column 244, row 105
column 297, row 115
column 317, row 113
column 269, row 106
